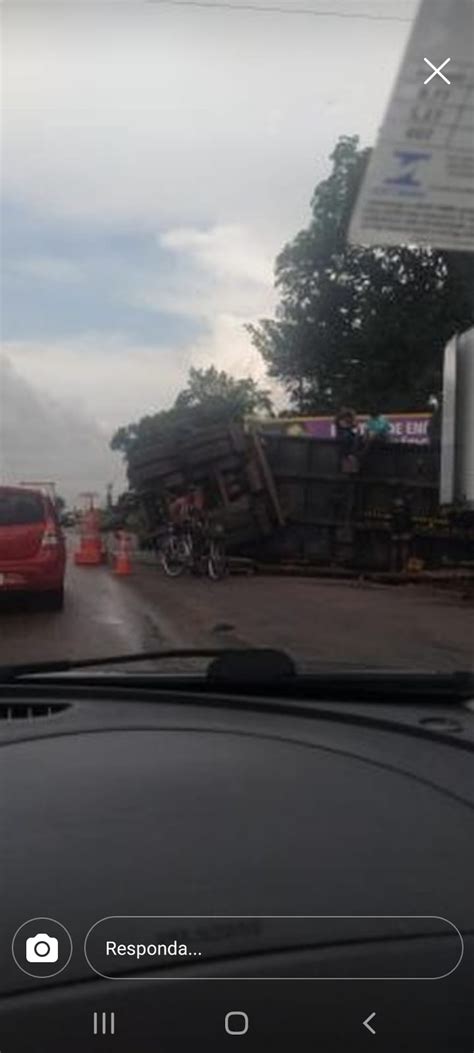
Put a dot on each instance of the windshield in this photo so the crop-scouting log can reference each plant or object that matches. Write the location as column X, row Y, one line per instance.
column 20, row 509
column 237, row 326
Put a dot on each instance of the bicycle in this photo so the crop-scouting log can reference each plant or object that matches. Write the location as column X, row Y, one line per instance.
column 195, row 546
column 216, row 555
column 177, row 551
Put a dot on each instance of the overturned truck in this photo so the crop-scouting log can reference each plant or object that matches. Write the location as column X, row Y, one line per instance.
column 231, row 467
column 287, row 498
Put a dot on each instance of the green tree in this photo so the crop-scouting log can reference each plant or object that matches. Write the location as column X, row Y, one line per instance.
column 357, row 325
column 218, row 394
column 210, row 396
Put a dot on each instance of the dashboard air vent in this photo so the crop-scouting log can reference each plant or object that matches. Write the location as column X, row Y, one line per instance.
column 10, row 711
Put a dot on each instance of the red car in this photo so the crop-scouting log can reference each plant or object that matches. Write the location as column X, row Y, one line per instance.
column 32, row 548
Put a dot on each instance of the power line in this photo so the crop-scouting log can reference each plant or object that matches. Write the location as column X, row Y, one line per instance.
column 221, row 4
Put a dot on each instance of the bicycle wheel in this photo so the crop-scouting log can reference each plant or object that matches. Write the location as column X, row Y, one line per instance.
column 216, row 560
column 174, row 557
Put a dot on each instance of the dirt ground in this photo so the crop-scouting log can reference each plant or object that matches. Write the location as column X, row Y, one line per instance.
column 407, row 627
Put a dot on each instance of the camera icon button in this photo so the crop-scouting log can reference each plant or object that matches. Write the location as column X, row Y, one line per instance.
column 42, row 947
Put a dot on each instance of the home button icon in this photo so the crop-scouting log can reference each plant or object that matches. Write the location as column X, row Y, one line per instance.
column 236, row 1022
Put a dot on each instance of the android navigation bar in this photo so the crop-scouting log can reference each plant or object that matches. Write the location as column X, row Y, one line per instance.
column 367, row 1024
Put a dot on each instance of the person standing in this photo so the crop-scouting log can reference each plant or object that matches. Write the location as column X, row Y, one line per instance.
column 377, row 428
column 401, row 533
column 347, row 435
column 434, row 423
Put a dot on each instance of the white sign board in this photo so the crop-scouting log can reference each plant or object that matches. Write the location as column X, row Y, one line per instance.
column 448, row 425
column 419, row 184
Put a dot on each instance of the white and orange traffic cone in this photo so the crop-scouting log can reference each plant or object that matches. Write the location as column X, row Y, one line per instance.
column 90, row 545
column 122, row 565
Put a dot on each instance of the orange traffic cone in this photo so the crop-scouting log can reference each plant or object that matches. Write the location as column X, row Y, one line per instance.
column 122, row 556
column 90, row 545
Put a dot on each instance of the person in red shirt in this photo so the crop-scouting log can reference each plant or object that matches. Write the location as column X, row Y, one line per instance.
column 188, row 506
column 196, row 501
column 178, row 508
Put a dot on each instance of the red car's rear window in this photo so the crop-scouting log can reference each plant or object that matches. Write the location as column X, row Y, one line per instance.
column 21, row 509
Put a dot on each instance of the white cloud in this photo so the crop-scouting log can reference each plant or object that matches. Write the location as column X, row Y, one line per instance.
column 229, row 250
column 224, row 279
column 43, row 437
column 228, row 347
column 107, row 379
column 220, row 270
column 155, row 116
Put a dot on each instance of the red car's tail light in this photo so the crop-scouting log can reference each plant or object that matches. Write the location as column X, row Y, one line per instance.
column 50, row 537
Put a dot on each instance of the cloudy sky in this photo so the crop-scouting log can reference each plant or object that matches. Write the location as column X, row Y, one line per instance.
column 156, row 157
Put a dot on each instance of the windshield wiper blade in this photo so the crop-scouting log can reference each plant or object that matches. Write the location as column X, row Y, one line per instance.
column 238, row 669
column 250, row 662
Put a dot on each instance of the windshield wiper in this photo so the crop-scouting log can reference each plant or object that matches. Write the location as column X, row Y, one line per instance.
column 260, row 662
column 239, row 669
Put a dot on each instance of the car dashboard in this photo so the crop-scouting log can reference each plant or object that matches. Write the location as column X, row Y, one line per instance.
column 248, row 822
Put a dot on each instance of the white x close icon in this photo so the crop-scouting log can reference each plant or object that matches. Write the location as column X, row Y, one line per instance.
column 437, row 71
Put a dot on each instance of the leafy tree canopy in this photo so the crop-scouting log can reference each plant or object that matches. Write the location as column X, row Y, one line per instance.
column 357, row 325
column 217, row 394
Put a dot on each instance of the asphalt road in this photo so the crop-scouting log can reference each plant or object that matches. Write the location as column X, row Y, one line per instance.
column 100, row 617
column 323, row 621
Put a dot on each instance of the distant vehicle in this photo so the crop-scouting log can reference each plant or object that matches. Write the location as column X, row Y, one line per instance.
column 32, row 548
column 67, row 519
